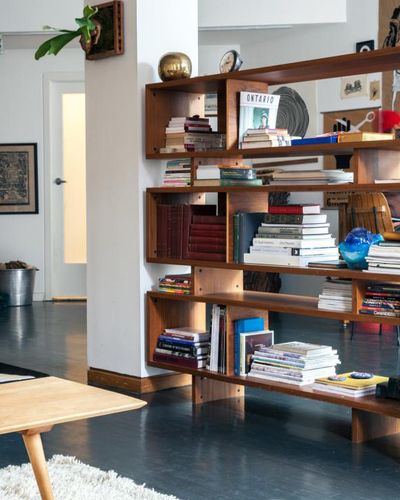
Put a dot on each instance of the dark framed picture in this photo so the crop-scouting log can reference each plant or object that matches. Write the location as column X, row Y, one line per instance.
column 18, row 179
column 366, row 46
column 111, row 36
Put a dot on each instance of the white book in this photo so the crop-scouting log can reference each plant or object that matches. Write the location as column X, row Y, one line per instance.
column 295, row 251
column 214, row 353
column 294, row 226
column 285, row 260
column 295, row 243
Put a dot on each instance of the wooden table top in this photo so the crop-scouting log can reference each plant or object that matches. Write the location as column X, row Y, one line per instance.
column 47, row 401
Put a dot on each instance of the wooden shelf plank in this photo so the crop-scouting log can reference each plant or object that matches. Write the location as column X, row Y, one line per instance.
column 354, row 188
column 369, row 403
column 338, row 273
column 317, row 69
column 286, row 151
column 277, row 302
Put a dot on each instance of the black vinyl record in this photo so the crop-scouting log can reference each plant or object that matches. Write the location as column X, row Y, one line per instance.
column 292, row 112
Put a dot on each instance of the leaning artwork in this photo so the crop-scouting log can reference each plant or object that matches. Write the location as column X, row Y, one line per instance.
column 18, row 179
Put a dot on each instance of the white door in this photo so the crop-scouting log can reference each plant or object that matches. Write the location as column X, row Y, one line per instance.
column 66, row 185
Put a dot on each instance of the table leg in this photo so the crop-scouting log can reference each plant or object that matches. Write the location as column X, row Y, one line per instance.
column 34, row 447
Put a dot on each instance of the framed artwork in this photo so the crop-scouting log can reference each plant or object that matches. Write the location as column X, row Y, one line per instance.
column 366, row 46
column 110, row 41
column 211, row 105
column 18, row 179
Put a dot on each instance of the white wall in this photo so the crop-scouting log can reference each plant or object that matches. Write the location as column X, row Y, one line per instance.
column 118, row 277
column 21, row 103
column 235, row 13
column 32, row 15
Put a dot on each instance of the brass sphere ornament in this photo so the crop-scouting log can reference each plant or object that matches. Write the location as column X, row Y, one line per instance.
column 174, row 66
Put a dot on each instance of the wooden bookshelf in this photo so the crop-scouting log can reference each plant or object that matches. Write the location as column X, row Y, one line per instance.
column 222, row 282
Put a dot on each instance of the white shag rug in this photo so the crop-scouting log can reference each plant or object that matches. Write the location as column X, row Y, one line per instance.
column 73, row 480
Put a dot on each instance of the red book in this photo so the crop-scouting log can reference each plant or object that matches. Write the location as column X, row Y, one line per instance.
column 220, row 257
column 309, row 208
column 209, row 219
column 163, row 213
column 220, row 233
column 178, row 360
column 208, row 227
column 207, row 239
column 188, row 212
column 209, row 247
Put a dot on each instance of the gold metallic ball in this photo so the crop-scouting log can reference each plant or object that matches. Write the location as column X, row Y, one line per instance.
column 174, row 65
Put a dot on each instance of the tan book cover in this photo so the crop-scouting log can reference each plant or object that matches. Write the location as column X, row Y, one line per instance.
column 364, row 136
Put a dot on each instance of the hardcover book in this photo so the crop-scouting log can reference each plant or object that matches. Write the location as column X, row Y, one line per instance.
column 257, row 111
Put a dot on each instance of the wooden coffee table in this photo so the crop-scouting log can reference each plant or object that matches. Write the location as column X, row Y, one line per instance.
column 34, row 406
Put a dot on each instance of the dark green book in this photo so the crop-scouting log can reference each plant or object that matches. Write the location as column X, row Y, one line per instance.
column 245, row 226
column 294, row 218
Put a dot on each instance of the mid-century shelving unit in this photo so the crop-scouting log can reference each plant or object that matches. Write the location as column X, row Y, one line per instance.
column 222, row 282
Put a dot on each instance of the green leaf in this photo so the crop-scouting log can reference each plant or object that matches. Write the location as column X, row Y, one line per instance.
column 54, row 45
column 90, row 11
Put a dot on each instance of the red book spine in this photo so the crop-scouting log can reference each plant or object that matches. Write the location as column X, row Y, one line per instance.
column 286, row 209
column 162, row 230
column 188, row 212
column 206, row 239
column 197, row 247
column 209, row 227
column 220, row 257
column 209, row 219
column 220, row 233
column 178, row 360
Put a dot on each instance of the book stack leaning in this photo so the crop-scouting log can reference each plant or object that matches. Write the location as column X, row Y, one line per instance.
column 296, row 363
column 292, row 235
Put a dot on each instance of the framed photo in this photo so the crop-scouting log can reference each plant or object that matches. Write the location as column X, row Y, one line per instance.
column 111, row 38
column 18, row 179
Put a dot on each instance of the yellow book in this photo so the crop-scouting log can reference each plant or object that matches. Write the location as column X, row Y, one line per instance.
column 353, row 383
column 363, row 136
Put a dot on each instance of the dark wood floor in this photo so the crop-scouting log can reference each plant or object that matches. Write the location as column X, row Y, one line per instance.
column 280, row 447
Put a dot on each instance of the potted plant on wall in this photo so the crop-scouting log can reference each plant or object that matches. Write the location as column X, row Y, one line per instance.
column 88, row 31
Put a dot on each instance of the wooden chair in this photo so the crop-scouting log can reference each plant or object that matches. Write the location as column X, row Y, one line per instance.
column 369, row 210
column 372, row 211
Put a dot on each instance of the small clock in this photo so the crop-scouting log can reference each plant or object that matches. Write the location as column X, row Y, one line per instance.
column 230, row 61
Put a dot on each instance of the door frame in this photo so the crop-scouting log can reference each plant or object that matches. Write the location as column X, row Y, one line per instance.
column 49, row 80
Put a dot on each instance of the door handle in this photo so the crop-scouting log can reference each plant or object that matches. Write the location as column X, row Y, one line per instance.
column 59, row 181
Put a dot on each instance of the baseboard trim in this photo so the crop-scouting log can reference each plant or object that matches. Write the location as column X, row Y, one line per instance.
column 136, row 384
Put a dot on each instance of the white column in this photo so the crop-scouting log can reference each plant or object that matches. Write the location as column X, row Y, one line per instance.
column 117, row 175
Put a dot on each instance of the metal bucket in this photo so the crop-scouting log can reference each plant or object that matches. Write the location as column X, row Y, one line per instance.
column 16, row 286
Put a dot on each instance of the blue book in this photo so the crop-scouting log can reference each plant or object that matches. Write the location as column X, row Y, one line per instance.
column 244, row 325
column 330, row 139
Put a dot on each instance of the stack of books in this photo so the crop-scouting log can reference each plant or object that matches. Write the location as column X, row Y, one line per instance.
column 180, row 284
column 296, row 363
column 177, row 173
column 286, row 177
column 216, row 361
column 249, row 336
column 222, row 175
column 382, row 299
column 185, row 346
column 191, row 134
column 384, row 257
column 190, row 232
column 265, row 138
column 352, row 387
column 292, row 235
column 336, row 295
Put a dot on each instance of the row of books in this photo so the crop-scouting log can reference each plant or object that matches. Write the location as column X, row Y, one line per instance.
column 336, row 295
column 296, row 363
column 344, row 384
column 191, row 134
column 190, row 232
column 177, row 173
column 180, row 284
column 381, row 299
column 384, row 257
column 291, row 239
column 223, row 175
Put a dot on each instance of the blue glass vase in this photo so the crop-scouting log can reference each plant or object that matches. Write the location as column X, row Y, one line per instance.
column 355, row 247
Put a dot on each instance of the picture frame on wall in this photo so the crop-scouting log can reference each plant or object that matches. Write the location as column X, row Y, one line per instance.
column 18, row 179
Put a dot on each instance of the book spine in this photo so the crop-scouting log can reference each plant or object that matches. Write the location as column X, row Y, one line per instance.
column 178, row 360
column 205, row 240
column 236, row 238
column 270, row 218
column 286, row 209
column 209, row 227
column 210, row 256
column 209, row 219
column 162, row 230
column 207, row 248
column 236, row 347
